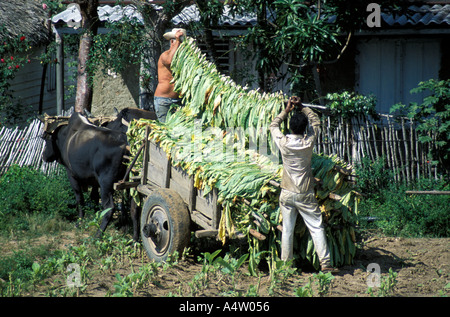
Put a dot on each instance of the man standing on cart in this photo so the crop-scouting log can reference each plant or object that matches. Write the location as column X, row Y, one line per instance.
column 297, row 194
column 165, row 96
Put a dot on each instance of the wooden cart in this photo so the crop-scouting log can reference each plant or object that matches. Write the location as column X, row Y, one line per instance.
column 171, row 205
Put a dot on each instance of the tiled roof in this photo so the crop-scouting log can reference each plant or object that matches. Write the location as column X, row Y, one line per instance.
column 424, row 15
column 72, row 15
column 419, row 15
column 191, row 13
column 414, row 15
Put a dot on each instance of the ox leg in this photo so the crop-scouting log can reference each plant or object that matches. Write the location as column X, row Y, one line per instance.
column 107, row 203
column 135, row 219
column 76, row 187
column 95, row 197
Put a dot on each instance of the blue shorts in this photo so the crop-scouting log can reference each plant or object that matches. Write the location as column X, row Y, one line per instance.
column 162, row 106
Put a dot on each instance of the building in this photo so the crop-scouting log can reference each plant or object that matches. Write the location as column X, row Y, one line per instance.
column 34, row 86
column 410, row 46
column 111, row 90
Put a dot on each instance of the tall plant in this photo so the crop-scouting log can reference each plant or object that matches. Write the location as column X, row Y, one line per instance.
column 433, row 119
column 287, row 32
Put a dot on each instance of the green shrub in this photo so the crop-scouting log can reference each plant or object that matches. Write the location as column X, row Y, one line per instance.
column 396, row 213
column 18, row 264
column 25, row 191
column 432, row 118
column 372, row 177
column 349, row 105
column 14, row 55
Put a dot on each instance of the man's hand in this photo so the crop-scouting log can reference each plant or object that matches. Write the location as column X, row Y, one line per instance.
column 178, row 35
column 293, row 102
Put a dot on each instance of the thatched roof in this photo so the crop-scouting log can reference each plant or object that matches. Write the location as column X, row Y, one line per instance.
column 24, row 18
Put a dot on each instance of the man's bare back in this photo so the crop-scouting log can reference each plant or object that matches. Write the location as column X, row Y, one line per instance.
column 165, row 88
column 165, row 96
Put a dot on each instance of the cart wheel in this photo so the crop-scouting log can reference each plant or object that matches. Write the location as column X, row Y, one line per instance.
column 165, row 224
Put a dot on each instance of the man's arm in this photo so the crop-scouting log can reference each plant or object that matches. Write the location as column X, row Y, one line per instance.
column 274, row 127
column 275, row 124
column 313, row 119
column 167, row 57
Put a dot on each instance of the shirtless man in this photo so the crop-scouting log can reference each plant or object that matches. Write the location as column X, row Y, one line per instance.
column 165, row 96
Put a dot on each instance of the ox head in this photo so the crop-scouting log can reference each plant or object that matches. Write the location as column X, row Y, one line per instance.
column 52, row 127
column 51, row 152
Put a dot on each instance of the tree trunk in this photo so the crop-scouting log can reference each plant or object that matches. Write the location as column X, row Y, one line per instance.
column 89, row 23
column 210, row 46
column 316, row 75
column 208, row 21
column 156, row 23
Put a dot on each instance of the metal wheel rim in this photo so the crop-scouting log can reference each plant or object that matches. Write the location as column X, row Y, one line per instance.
column 159, row 217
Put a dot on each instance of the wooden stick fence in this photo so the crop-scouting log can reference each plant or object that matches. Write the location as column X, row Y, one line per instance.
column 391, row 138
column 395, row 140
column 24, row 147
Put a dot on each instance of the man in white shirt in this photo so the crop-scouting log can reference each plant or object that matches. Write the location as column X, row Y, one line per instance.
column 297, row 194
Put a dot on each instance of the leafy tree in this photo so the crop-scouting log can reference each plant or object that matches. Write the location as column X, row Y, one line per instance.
column 210, row 13
column 303, row 35
column 156, row 21
column 126, row 43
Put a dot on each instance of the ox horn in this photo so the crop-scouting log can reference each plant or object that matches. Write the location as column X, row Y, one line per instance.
column 125, row 122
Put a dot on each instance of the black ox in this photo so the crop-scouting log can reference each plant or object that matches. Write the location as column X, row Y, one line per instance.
column 92, row 155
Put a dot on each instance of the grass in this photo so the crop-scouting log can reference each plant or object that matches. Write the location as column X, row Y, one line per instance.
column 387, row 208
column 395, row 213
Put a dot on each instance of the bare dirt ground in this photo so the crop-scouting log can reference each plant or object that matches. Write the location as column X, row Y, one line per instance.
column 422, row 267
